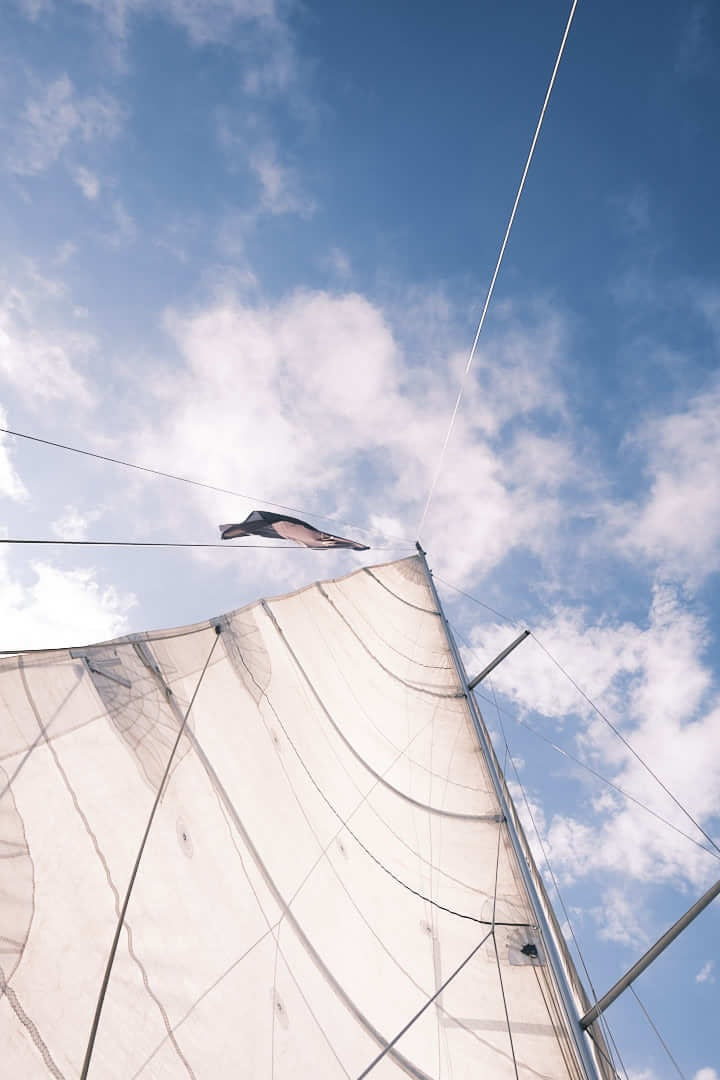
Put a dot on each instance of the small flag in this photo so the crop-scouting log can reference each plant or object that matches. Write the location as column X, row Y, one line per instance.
column 282, row 527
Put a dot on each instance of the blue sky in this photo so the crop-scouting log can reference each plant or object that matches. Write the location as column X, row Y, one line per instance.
column 249, row 241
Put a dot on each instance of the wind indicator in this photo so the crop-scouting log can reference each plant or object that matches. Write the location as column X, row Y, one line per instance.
column 283, row 527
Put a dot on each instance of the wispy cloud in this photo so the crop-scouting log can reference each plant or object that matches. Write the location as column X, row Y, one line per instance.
column 655, row 684
column 618, row 919
column 705, row 974
column 122, row 230
column 696, row 55
column 73, row 523
column 59, row 607
column 204, row 22
column 35, row 8
column 87, row 181
column 677, row 525
column 52, row 120
column 11, row 486
column 280, row 188
column 41, row 364
column 338, row 261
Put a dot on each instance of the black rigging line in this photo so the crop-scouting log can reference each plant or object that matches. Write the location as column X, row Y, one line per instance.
column 172, row 544
column 604, row 779
column 613, row 728
column 188, row 480
column 626, row 743
column 583, row 764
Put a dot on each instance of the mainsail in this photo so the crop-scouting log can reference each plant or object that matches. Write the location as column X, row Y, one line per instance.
column 329, row 849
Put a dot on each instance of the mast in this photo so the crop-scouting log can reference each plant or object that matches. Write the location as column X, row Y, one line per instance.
column 548, row 933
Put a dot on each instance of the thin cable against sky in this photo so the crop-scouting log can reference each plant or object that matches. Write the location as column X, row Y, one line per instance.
column 188, row 480
column 177, row 544
column 488, row 297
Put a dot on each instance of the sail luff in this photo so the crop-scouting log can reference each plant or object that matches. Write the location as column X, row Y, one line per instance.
column 537, row 895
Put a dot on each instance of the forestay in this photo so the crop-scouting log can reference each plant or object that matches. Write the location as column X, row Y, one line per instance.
column 328, row 850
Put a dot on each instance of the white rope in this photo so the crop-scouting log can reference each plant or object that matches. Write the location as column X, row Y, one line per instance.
column 488, row 298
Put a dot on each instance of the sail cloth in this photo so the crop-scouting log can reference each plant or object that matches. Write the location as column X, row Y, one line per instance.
column 328, row 850
column 282, row 527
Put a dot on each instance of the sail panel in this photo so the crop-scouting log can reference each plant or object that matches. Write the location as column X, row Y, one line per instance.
column 328, row 850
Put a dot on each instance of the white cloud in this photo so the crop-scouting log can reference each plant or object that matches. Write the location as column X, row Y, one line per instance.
column 339, row 262
column 617, row 919
column 11, row 486
column 123, row 230
column 59, row 608
column 65, row 253
column 39, row 363
column 204, row 22
column 654, row 683
column 35, row 8
column 279, row 185
column 677, row 525
column 50, row 121
column 87, row 181
column 708, row 1073
column 73, row 523
column 705, row 974
column 319, row 384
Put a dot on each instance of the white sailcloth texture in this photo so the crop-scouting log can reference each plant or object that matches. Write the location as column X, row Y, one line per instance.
column 327, row 851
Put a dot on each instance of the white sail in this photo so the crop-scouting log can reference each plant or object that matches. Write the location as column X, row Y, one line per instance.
column 329, row 848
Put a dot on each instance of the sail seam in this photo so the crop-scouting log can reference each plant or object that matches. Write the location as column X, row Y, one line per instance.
column 405, row 682
column 103, row 861
column 379, row 779
column 403, row 795
column 143, row 842
column 408, row 603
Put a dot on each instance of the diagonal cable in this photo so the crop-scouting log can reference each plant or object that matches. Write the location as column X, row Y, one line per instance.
column 628, row 745
column 649, row 1019
column 185, row 480
column 498, row 264
column 376, row 1060
column 173, row 544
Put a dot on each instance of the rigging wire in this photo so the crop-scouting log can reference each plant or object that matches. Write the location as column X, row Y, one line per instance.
column 136, row 867
column 498, row 264
column 626, row 743
column 604, row 779
column 508, row 755
column 649, row 1019
column 583, row 764
column 614, row 729
column 422, row 1009
column 189, row 480
column 174, row 544
column 481, row 603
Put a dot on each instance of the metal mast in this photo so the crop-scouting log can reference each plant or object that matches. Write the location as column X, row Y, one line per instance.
column 580, row 1039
